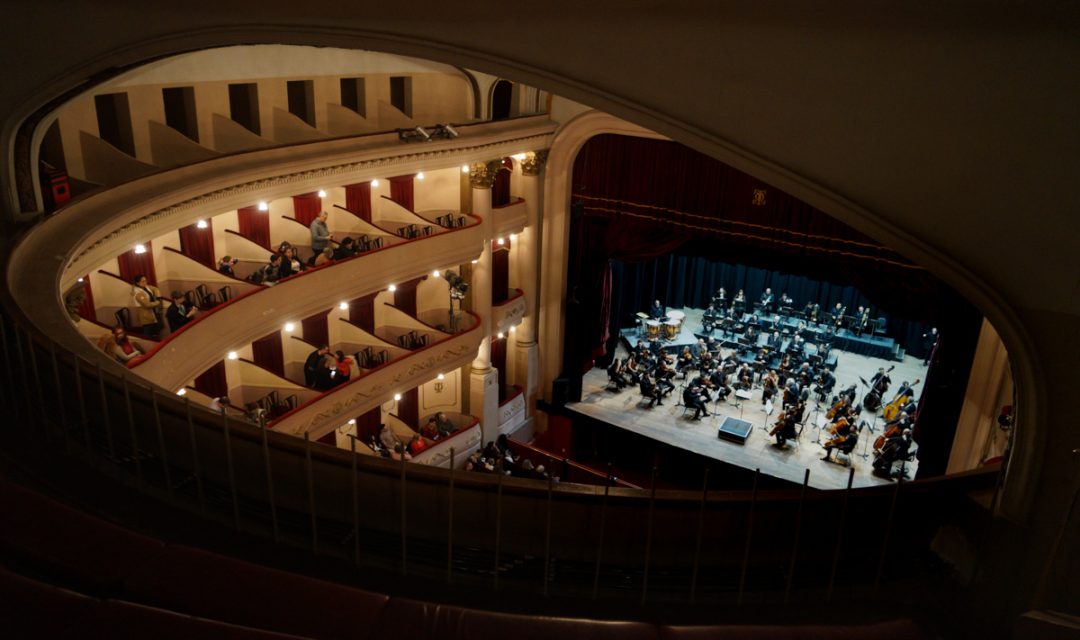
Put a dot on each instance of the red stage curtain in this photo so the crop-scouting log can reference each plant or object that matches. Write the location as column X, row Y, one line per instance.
column 212, row 382
column 401, row 191
column 362, row 312
column 198, row 244
column 316, row 331
column 358, row 200
column 367, row 425
column 405, row 296
column 408, row 408
column 132, row 264
column 498, row 360
column 268, row 354
column 306, row 207
column 500, row 272
column 254, row 225
column 500, row 191
column 86, row 307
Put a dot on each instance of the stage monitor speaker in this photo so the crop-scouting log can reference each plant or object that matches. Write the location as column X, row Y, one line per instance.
column 560, row 392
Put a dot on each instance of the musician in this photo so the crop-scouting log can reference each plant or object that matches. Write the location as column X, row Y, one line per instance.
column 791, row 392
column 686, row 358
column 709, row 319
column 767, row 298
column 838, row 315
column 694, row 397
column 739, row 304
column 615, row 374
column 850, row 393
column 658, row 310
column 718, row 382
column 805, row 374
column 775, row 341
column 895, row 448
column 784, row 429
column 720, row 298
column 845, row 442
column 902, row 422
column 745, row 377
column 796, row 345
column 663, row 374
column 649, row 390
column 752, row 332
column 629, row 369
column 880, row 382
column 825, row 383
column 785, row 300
column 863, row 320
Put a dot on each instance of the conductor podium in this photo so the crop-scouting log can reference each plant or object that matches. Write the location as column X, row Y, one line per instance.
column 735, row 430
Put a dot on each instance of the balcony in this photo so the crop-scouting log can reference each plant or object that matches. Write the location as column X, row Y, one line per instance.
column 509, row 312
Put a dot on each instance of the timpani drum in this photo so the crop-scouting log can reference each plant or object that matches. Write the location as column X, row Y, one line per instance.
column 671, row 329
column 652, row 328
column 676, row 315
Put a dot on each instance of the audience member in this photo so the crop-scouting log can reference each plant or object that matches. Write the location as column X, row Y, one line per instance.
column 346, row 248
column 117, row 345
column 179, row 313
column 148, row 306
column 326, row 257
column 311, row 365
column 226, row 266
column 320, row 233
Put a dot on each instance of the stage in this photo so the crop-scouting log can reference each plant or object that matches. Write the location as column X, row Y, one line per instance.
column 672, row 425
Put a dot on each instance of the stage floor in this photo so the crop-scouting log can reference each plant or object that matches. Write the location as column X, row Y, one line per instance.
column 671, row 425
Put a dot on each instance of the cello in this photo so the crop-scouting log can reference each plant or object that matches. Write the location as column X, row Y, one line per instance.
column 902, row 397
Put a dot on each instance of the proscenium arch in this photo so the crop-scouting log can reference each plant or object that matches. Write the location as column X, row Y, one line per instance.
column 21, row 197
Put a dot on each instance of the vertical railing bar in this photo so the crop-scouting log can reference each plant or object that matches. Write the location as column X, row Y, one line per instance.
column 105, row 414
column 648, row 535
column 840, row 536
column 270, row 478
column 700, row 531
column 404, row 519
column 798, row 532
column 161, row 443
column 450, row 524
column 37, row 383
column 196, row 467
column 230, row 470
column 83, row 419
column 311, row 494
column 600, row 534
column 354, row 481
column 885, row 538
column 547, row 532
column 498, row 520
column 131, row 430
column 60, row 397
column 10, row 386
column 24, row 407
column 749, row 537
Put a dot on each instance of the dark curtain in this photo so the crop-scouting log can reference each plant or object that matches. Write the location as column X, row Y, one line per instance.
column 408, row 408
column 316, row 331
column 401, row 190
column 405, row 296
column 254, row 225
column 86, row 307
column 367, row 425
column 329, row 438
column 198, row 244
column 358, row 200
column 498, row 360
column 500, row 272
column 132, row 264
column 362, row 312
column 500, row 191
column 212, row 382
column 268, row 354
column 306, row 207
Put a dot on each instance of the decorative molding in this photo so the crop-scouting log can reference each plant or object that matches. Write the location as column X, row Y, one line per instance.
column 513, row 409
column 508, row 314
column 534, row 162
column 482, row 174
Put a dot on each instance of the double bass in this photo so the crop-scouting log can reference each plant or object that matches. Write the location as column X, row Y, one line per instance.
column 902, row 397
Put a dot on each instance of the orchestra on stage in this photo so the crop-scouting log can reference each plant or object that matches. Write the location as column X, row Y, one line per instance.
column 786, row 353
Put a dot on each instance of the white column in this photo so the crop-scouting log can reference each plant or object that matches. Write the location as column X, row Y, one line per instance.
column 526, row 359
column 483, row 378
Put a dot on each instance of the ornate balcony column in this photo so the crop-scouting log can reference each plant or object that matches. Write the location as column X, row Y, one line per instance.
column 483, row 379
column 528, row 255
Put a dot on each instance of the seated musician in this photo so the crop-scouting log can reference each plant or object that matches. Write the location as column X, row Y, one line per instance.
column 796, row 344
column 838, row 315
column 845, row 443
column 630, row 369
column 685, row 360
column 791, row 392
column 786, row 301
column 615, row 374
column 770, row 383
column 745, row 377
column 895, row 448
column 663, row 375
column 658, row 311
column 784, row 429
column 718, row 381
column 775, row 341
column 719, row 299
column 740, row 301
column 766, row 298
column 706, row 361
column 805, row 375
column 752, row 333
column 650, row 390
column 825, row 383
column 700, row 348
column 901, row 423
column 694, row 397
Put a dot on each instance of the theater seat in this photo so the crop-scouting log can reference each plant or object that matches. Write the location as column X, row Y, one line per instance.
column 207, row 585
column 32, row 609
column 403, row 618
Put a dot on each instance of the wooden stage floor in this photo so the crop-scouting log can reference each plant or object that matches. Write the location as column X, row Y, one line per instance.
column 669, row 425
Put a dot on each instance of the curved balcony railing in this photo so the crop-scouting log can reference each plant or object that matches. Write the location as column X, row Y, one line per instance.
column 509, row 312
column 512, row 410
column 201, row 343
column 468, row 438
column 373, row 386
column 509, row 218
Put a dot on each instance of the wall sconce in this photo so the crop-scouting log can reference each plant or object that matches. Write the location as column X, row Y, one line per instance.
column 201, row 224
column 322, row 193
column 263, row 206
column 140, row 249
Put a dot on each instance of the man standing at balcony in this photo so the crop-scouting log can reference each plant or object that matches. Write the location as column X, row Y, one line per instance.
column 311, row 365
column 320, row 234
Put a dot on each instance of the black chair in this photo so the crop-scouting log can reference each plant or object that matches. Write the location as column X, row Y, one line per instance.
column 123, row 318
column 225, row 293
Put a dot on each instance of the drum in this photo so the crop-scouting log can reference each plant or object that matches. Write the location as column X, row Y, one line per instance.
column 652, row 327
column 671, row 329
column 676, row 315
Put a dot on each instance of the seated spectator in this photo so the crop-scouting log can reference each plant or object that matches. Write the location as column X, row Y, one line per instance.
column 226, row 266
column 179, row 313
column 399, row 452
column 346, row 249
column 269, row 272
column 117, row 345
column 290, row 263
column 416, row 445
column 502, row 443
column 444, row 425
column 344, row 367
column 220, row 404
column 326, row 257
column 430, row 430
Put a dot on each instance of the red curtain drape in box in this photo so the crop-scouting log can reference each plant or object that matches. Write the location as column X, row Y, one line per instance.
column 329, row 438
column 500, row 272
column 362, row 312
column 358, row 200
column 498, row 360
column 405, row 296
column 86, row 307
column 267, row 353
column 198, row 244
column 316, row 331
column 306, row 207
column 408, row 408
column 212, row 382
column 132, row 264
column 500, row 191
column 367, row 425
column 254, row 225
column 401, row 190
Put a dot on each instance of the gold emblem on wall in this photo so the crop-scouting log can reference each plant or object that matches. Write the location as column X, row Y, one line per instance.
column 758, row 199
